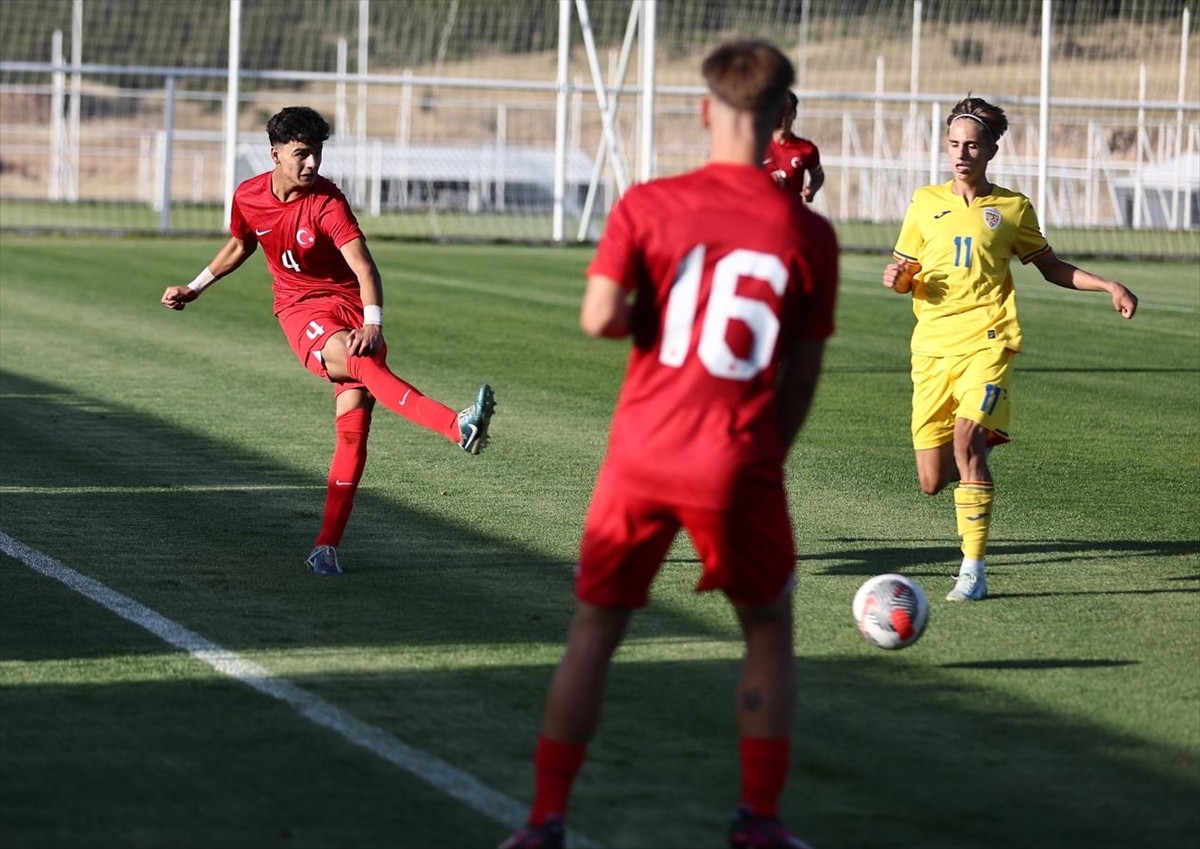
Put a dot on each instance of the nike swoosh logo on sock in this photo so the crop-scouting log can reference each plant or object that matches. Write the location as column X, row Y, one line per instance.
column 405, row 397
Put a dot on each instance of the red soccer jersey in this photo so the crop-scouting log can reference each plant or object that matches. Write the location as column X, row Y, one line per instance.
column 301, row 239
column 728, row 271
column 786, row 161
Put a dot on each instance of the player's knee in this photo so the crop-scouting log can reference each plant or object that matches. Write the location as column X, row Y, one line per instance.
column 931, row 478
column 932, row 485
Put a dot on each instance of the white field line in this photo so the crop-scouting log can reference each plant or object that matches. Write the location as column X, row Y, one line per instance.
column 430, row 769
column 179, row 490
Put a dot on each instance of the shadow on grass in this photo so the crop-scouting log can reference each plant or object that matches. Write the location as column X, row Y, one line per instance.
column 856, row 556
column 904, row 369
column 887, row 753
column 1059, row 663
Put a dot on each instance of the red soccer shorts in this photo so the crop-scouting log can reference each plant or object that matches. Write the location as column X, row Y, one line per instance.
column 746, row 551
column 309, row 324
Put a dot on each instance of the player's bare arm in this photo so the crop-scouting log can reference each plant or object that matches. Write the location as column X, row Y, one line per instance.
column 816, row 179
column 367, row 339
column 606, row 308
column 1062, row 273
column 228, row 259
column 798, row 385
column 898, row 276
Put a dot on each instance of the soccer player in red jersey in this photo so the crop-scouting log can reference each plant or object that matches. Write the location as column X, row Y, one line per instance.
column 726, row 286
column 789, row 158
column 329, row 302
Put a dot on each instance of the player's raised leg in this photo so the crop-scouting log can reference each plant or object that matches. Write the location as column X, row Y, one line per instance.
column 468, row 428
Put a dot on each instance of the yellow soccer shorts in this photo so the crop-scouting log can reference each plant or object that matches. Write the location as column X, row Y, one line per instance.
column 972, row 386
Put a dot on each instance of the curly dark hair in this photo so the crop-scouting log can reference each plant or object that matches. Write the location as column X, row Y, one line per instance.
column 298, row 123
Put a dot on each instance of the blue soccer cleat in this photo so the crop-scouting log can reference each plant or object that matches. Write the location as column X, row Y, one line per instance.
column 550, row 835
column 749, row 831
column 324, row 561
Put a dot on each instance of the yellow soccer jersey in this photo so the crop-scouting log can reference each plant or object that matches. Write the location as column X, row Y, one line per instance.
column 963, row 297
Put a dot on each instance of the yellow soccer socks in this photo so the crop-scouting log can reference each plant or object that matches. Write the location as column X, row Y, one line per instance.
column 973, row 509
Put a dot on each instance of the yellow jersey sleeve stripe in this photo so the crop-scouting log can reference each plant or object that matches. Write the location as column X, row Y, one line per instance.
column 1028, row 258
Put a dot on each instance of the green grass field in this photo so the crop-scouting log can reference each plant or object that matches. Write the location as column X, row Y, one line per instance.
column 179, row 460
column 195, row 220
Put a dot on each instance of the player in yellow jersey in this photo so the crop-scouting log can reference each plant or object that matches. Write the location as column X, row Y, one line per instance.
column 953, row 255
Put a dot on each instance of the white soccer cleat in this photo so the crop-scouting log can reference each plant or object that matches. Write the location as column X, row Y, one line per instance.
column 969, row 586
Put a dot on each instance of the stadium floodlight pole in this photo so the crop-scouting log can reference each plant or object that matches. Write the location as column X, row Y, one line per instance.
column 57, row 126
column 341, row 122
column 912, row 128
column 560, row 117
column 360, row 115
column 646, row 155
column 877, row 164
column 935, row 141
column 74, row 102
column 166, row 157
column 585, row 218
column 606, row 124
column 1139, row 183
column 1043, row 164
column 802, row 58
column 232, row 92
column 1181, row 213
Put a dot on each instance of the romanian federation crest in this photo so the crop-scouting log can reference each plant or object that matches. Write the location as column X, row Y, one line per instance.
column 991, row 217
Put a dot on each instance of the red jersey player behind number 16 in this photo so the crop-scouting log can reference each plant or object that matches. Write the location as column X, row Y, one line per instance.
column 789, row 157
column 329, row 302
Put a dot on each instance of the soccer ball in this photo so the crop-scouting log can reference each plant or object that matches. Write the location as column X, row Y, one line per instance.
column 891, row 611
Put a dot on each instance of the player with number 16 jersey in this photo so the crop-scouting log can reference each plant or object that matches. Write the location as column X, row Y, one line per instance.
column 728, row 274
column 725, row 286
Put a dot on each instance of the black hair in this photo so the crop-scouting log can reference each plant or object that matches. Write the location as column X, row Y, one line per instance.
column 298, row 123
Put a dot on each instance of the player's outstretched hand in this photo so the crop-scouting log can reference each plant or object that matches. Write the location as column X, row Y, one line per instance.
column 178, row 297
column 1124, row 301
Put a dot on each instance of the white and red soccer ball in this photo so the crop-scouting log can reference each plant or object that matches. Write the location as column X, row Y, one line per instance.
column 891, row 611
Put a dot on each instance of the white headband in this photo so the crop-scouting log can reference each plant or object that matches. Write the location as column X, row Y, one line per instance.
column 977, row 120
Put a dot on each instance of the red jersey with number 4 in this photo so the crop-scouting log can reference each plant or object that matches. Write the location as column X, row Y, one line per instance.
column 301, row 239
column 728, row 272
column 787, row 160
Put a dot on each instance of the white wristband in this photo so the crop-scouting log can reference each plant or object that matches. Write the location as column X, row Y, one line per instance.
column 203, row 280
column 372, row 314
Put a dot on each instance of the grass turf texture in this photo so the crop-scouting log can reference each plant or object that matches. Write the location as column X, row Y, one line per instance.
column 45, row 217
column 180, row 459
